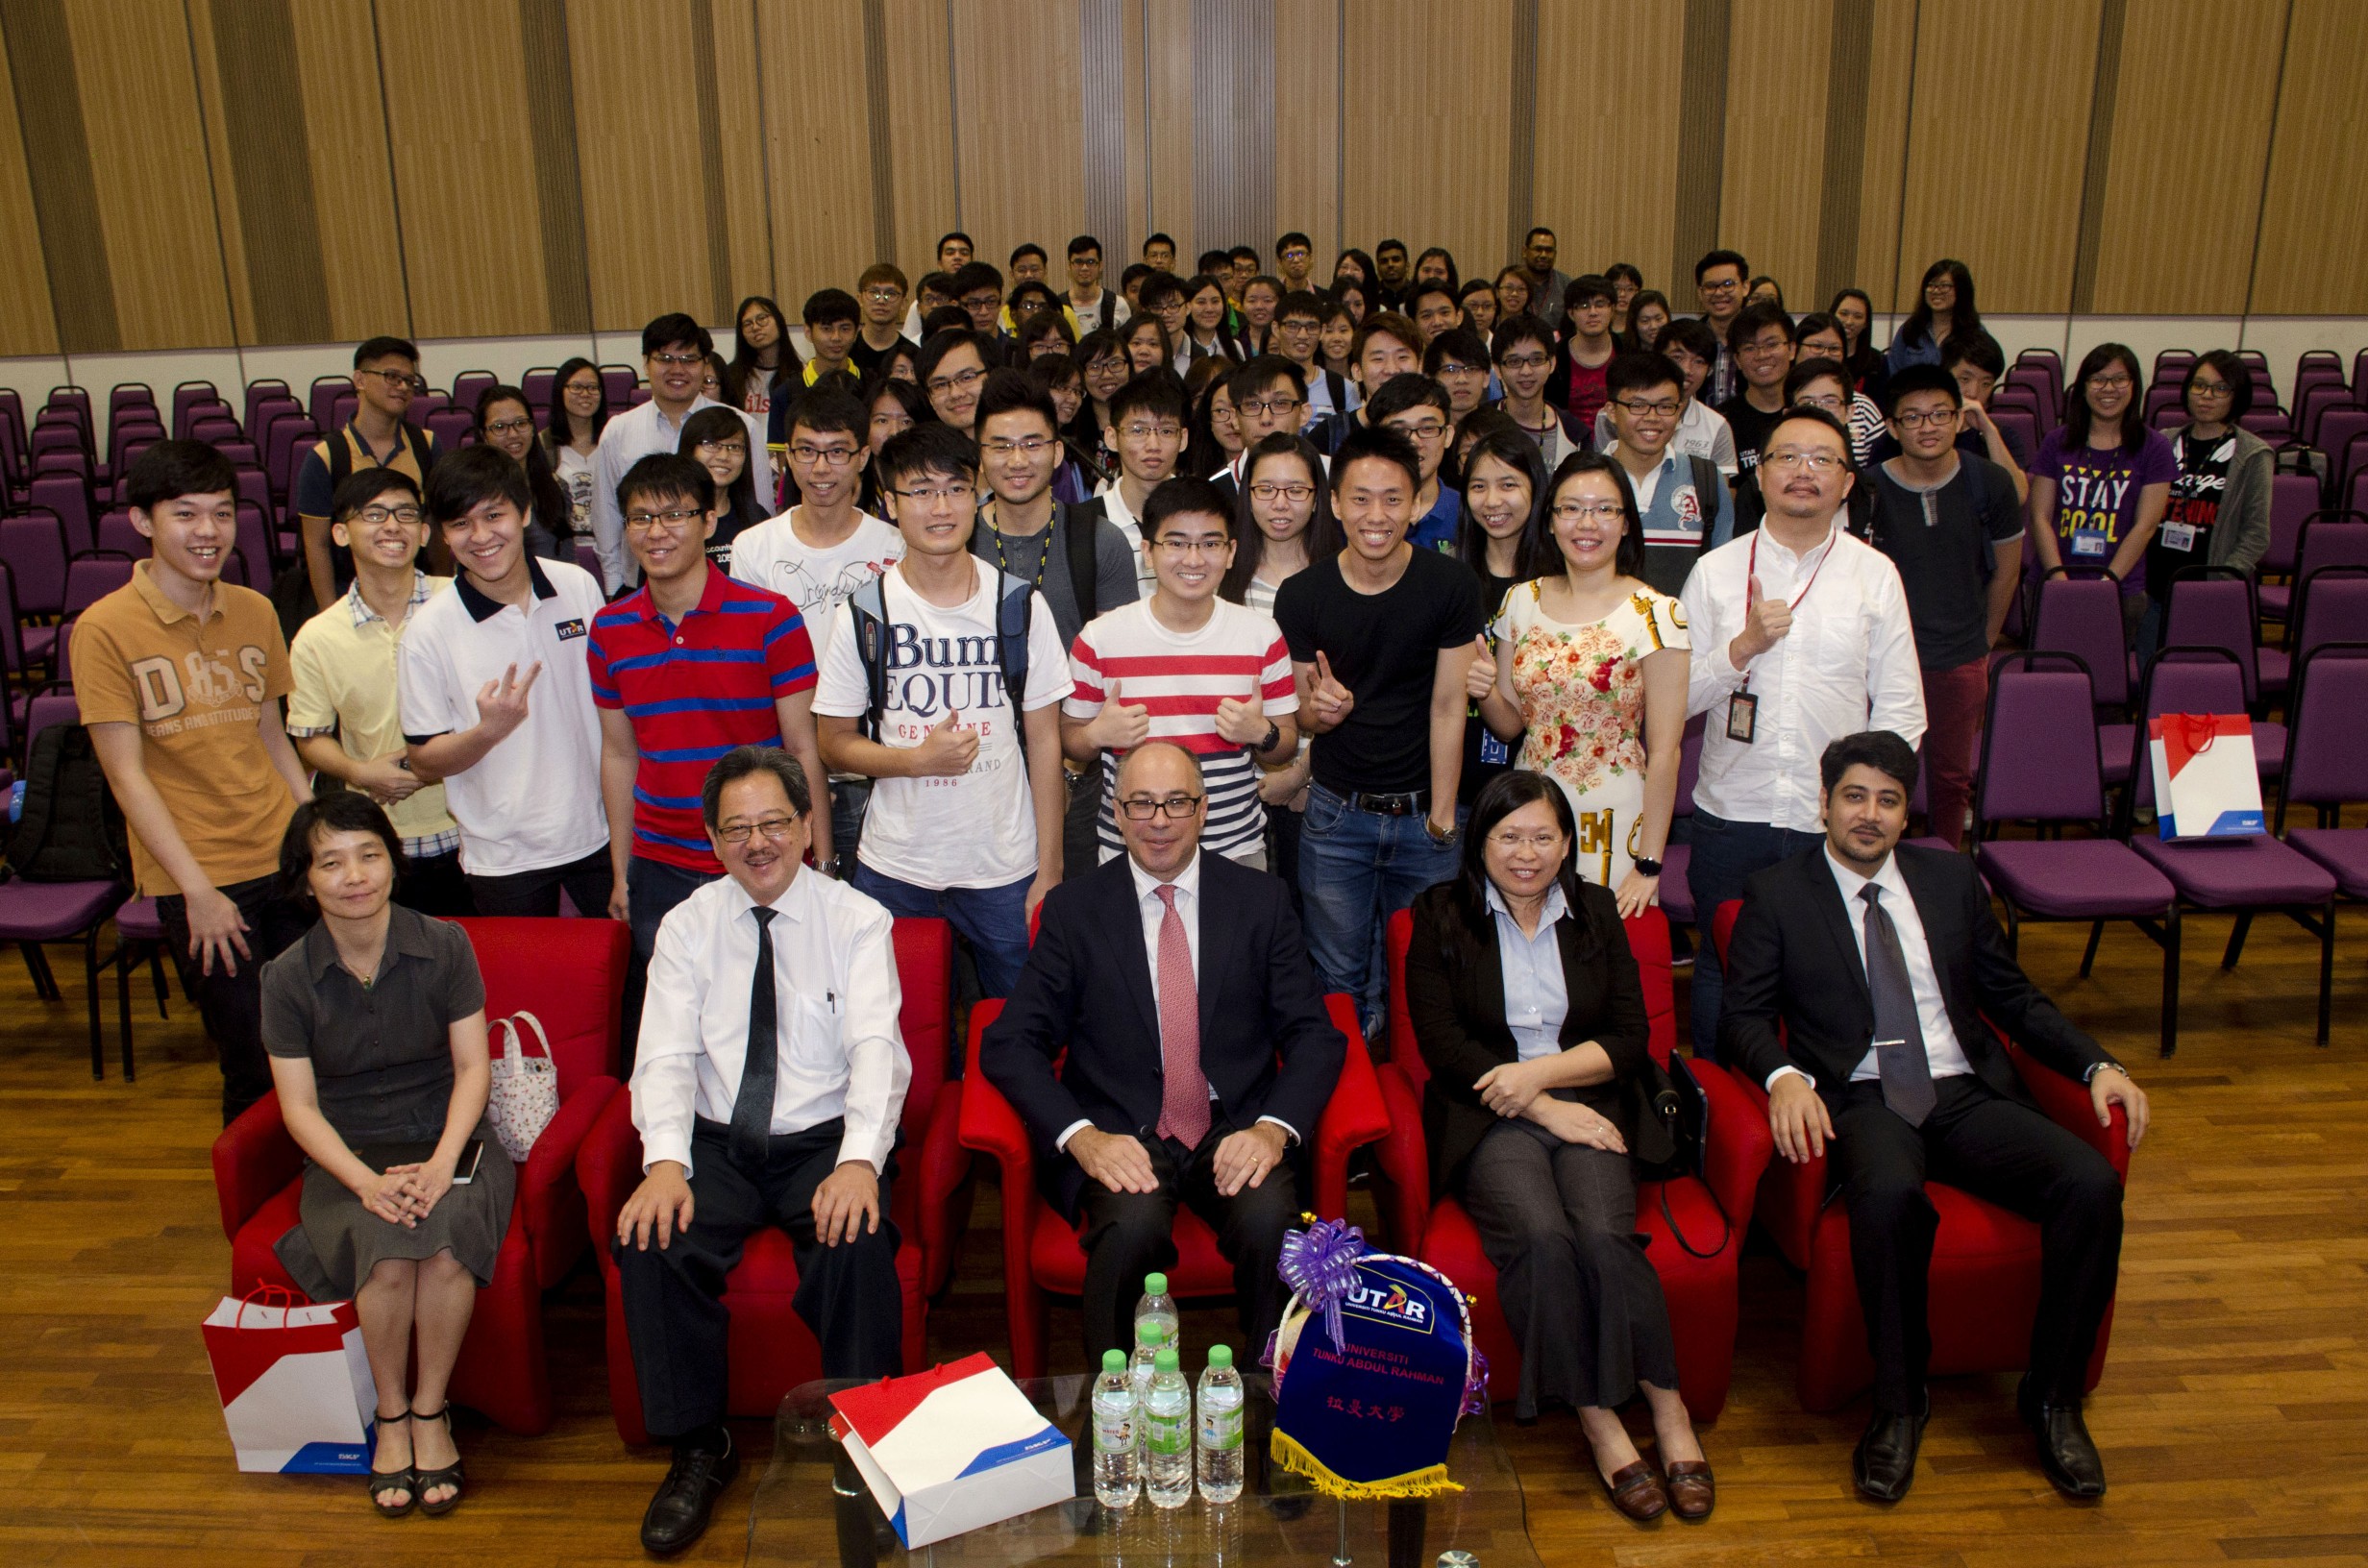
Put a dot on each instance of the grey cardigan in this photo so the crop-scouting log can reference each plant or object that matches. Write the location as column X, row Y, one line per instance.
column 2240, row 533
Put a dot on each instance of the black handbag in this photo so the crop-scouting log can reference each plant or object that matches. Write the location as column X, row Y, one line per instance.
column 1671, row 1118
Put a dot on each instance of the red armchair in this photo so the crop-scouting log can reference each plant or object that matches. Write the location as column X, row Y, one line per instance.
column 1040, row 1249
column 772, row 1351
column 1985, row 1259
column 570, row 974
column 1701, row 1291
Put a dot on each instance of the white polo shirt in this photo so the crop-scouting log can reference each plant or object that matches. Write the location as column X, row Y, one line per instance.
column 533, row 801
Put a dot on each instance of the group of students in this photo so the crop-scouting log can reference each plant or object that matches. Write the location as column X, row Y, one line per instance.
column 1317, row 573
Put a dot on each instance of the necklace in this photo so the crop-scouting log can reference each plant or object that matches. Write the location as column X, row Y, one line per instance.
column 368, row 981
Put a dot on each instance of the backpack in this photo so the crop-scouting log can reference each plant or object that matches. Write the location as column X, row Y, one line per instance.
column 1084, row 521
column 1014, row 610
column 291, row 591
column 1707, row 481
column 71, row 829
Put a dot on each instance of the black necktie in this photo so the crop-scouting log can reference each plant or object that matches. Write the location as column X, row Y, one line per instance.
column 1907, row 1073
column 751, row 1113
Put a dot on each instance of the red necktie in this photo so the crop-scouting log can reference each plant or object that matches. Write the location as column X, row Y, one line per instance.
column 1184, row 1093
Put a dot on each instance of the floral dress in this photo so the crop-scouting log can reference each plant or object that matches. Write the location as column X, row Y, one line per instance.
column 1581, row 690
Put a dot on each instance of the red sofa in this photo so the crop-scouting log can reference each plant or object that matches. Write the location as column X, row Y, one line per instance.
column 570, row 974
column 772, row 1351
column 1701, row 1291
column 1041, row 1253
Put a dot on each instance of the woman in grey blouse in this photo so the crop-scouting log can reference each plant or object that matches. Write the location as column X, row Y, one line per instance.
column 376, row 1026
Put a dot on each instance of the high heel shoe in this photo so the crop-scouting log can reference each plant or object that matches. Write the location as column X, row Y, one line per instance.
column 451, row 1475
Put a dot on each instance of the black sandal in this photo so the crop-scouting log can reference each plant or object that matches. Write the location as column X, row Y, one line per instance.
column 404, row 1480
column 450, row 1476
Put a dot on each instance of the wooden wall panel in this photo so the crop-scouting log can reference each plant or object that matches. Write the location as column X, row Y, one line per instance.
column 221, row 167
column 1021, row 137
column 1307, row 127
column 27, row 324
column 456, row 118
column 749, row 253
column 2180, row 208
column 2314, row 220
column 1891, row 71
column 352, row 168
column 646, row 188
column 148, row 169
column 1415, row 72
column 1776, row 127
column 1133, row 130
column 1996, row 156
column 921, row 119
column 819, row 149
column 1607, row 158
column 1168, row 131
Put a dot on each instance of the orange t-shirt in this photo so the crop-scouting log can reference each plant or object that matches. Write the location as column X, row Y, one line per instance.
column 196, row 687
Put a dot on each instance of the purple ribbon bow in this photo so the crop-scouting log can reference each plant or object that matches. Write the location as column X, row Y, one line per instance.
column 1319, row 1263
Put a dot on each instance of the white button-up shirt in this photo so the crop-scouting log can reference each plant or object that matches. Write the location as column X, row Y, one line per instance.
column 1847, row 665
column 1932, row 1013
column 629, row 438
column 840, row 1051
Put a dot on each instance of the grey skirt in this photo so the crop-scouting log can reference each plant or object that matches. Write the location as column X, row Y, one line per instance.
column 339, row 1241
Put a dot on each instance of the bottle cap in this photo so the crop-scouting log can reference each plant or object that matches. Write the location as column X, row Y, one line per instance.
column 1221, row 1355
column 1166, row 1361
column 1114, row 1360
column 1150, row 1334
column 1155, row 1285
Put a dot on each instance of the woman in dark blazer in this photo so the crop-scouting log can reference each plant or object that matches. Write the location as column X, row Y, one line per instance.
column 1527, row 1009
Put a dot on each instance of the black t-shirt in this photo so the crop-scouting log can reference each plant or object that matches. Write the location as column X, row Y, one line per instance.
column 728, row 526
column 1750, row 426
column 1968, row 442
column 867, row 359
column 2194, row 506
column 1942, row 542
column 1385, row 648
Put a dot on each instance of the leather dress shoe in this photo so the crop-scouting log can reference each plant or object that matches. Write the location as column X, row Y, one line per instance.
column 1636, row 1491
column 1692, row 1489
column 2066, row 1454
column 679, row 1514
column 1884, row 1463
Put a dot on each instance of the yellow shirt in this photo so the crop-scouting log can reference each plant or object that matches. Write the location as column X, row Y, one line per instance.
column 344, row 662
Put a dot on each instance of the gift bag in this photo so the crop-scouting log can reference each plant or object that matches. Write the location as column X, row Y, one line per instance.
column 2205, row 784
column 296, row 1388
column 526, row 1088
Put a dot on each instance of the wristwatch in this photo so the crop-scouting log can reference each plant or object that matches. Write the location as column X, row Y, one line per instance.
column 1443, row 840
column 1651, row 867
column 1273, row 737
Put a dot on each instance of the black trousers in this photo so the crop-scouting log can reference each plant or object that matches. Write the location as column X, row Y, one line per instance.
column 1128, row 1235
column 231, row 1005
column 587, row 881
column 674, row 1295
column 1994, row 1148
column 434, row 886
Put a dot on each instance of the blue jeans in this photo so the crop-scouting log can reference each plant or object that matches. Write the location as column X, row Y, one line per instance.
column 995, row 919
column 1725, row 855
column 1356, row 870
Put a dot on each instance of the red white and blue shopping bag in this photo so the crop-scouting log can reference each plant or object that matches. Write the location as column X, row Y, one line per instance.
column 296, row 1388
column 952, row 1448
column 2205, row 784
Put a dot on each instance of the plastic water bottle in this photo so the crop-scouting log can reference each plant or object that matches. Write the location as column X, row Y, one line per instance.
column 1167, row 1433
column 1149, row 1342
column 1117, row 1479
column 1156, row 1305
column 1218, row 1427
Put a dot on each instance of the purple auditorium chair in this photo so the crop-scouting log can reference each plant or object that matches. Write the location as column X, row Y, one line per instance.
column 2271, row 425
column 129, row 395
column 2312, row 403
column 255, row 545
column 34, row 548
column 341, row 409
column 2040, row 763
column 139, row 934
column 2020, row 424
column 268, row 389
column 12, row 649
column 288, row 440
column 2231, row 876
column 2081, row 615
column 189, row 395
column 472, row 384
column 254, row 489
column 321, row 398
column 214, row 432
column 536, row 386
column 33, row 914
column 2211, row 606
column 118, row 535
column 619, row 381
column 2327, row 538
column 2339, row 428
column 59, row 435
column 447, row 425
column 242, row 454
column 588, row 557
column 2333, row 608
column 1676, row 898
column 2164, row 395
column 2326, row 763
column 74, row 399
column 2292, row 497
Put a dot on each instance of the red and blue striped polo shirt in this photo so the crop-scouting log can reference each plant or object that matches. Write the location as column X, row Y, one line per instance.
column 693, row 691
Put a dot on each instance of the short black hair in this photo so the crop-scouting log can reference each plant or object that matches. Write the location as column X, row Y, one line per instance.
column 1184, row 496
column 339, row 811
column 1722, row 259
column 945, row 318
column 1403, row 392
column 1160, row 236
column 1517, row 329
column 826, row 410
column 743, row 761
column 1640, row 373
column 365, row 485
column 1300, row 301
column 1211, row 261
column 1159, row 286
column 1294, row 237
column 1541, row 229
column 927, row 449
column 1824, row 367
column 975, row 276
column 1156, row 392
column 463, row 481
column 1397, row 245
column 673, row 328
column 1084, row 243
column 934, row 283
column 1754, row 319
column 1979, row 350
column 1589, row 285
column 1015, row 391
column 1022, row 290
column 172, row 469
column 1914, row 378
column 1381, row 441
column 385, row 347
column 1815, row 416
column 1027, row 247
column 1691, row 333
column 1463, row 344
column 938, row 344
column 1244, row 252
column 2234, row 371
column 1263, row 371
column 1877, row 748
column 954, row 234
column 1437, row 285
column 826, row 306
column 667, row 475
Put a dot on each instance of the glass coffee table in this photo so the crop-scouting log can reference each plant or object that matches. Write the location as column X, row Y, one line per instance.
column 813, row 1509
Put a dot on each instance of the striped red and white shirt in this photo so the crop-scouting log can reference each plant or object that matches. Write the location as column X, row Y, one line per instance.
column 1181, row 677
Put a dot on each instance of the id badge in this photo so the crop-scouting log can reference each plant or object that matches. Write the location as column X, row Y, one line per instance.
column 1493, row 753
column 2090, row 543
column 1743, row 717
column 2179, row 536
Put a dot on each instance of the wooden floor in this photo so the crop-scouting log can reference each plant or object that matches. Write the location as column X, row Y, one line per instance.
column 2233, row 1416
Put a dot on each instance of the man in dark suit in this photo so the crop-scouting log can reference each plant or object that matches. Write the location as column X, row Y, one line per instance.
column 1174, row 1023
column 1880, row 964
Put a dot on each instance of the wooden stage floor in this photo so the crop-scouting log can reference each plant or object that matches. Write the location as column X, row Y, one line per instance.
column 2233, row 1416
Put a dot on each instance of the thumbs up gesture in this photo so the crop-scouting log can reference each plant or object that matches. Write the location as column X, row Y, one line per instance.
column 1331, row 700
column 1242, row 720
column 1480, row 678
column 1765, row 622
column 1118, row 727
column 947, row 750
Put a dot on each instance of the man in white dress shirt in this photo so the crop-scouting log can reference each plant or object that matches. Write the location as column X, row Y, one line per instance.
column 1800, row 637
column 800, row 1136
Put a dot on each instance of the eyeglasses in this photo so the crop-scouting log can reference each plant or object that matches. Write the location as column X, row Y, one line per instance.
column 883, row 294
column 675, row 521
column 723, row 448
column 1268, row 490
column 1429, row 430
column 1728, row 286
column 510, row 427
column 1588, row 512
column 1154, row 432
column 943, row 497
column 678, row 361
column 1547, row 840
column 1665, row 408
column 975, row 303
column 2110, row 384
column 1523, row 361
column 827, row 456
column 962, row 380
column 1453, row 367
column 1794, row 458
column 2208, row 389
column 1279, row 404
column 584, row 389
column 1192, row 546
column 1177, row 806
column 1027, row 446
column 397, row 380
column 376, row 516
column 1915, row 419
column 776, row 828
column 1826, row 401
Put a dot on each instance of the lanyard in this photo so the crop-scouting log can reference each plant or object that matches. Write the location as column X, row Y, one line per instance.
column 1751, row 574
column 1043, row 561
